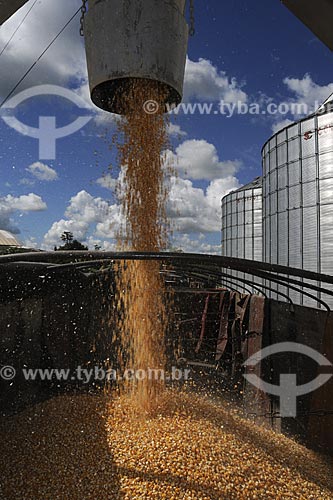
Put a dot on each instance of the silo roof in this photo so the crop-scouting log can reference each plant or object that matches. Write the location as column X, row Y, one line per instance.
column 327, row 105
column 8, row 239
column 325, row 108
column 256, row 183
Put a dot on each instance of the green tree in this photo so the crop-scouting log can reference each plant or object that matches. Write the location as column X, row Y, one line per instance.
column 70, row 243
column 67, row 237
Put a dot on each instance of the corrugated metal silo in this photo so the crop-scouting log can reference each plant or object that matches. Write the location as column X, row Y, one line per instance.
column 7, row 239
column 242, row 226
column 298, row 198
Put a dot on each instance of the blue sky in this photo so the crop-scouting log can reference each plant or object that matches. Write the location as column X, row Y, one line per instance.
column 250, row 53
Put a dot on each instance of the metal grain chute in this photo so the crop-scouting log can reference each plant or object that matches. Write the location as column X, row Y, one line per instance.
column 141, row 39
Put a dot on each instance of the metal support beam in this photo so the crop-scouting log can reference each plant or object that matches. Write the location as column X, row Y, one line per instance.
column 317, row 15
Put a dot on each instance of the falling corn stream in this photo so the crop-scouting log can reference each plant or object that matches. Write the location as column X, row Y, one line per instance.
column 148, row 441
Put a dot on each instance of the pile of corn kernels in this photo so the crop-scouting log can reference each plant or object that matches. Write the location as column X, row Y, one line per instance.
column 89, row 447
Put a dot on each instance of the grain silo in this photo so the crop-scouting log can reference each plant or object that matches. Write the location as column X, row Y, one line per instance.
column 7, row 239
column 298, row 197
column 242, row 225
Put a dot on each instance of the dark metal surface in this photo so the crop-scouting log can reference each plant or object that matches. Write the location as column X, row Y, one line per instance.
column 9, row 7
column 135, row 39
column 215, row 260
column 317, row 15
column 33, row 279
column 209, row 270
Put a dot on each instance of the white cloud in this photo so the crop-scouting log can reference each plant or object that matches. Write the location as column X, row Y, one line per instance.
column 198, row 159
column 195, row 244
column 306, row 98
column 175, row 130
column 26, row 182
column 86, row 208
column 107, row 182
column 104, row 245
column 42, row 172
column 193, row 210
column 307, row 91
column 219, row 188
column 110, row 226
column 9, row 205
column 84, row 215
column 30, row 243
column 27, row 202
column 203, row 81
column 276, row 127
column 52, row 237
